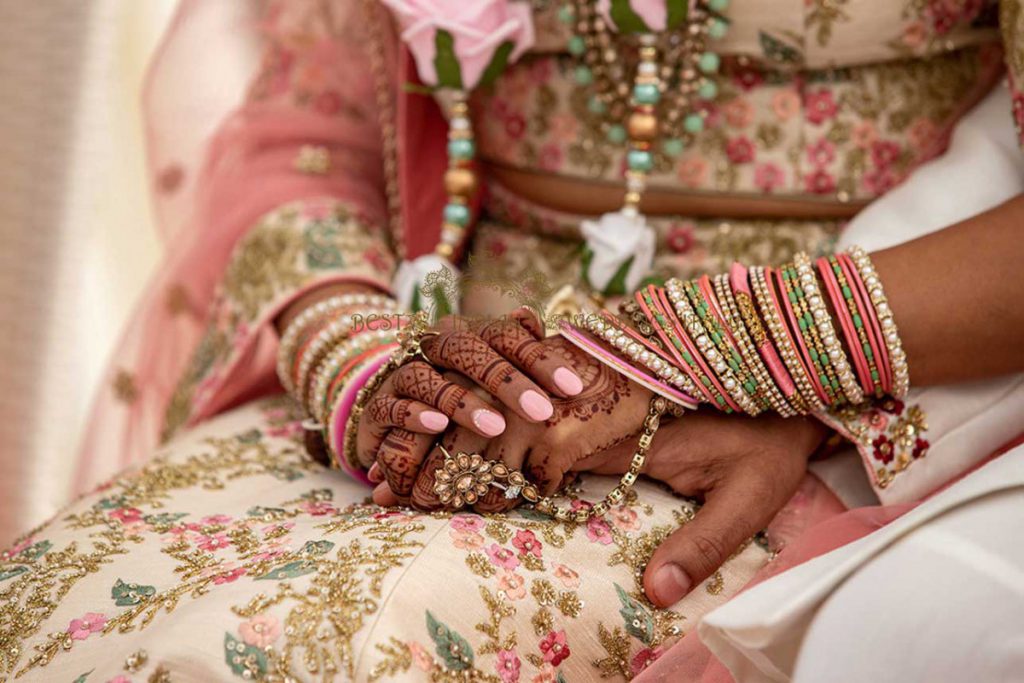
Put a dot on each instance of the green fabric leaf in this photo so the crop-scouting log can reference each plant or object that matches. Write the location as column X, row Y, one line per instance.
column 315, row 548
column 451, row 647
column 128, row 594
column 250, row 437
column 35, row 551
column 12, row 572
column 449, row 73
column 677, row 12
column 626, row 20
column 778, row 51
column 164, row 518
column 417, row 300
column 638, row 621
column 272, row 513
column 241, row 658
column 81, row 679
column 498, row 64
column 290, row 570
column 617, row 285
column 586, row 258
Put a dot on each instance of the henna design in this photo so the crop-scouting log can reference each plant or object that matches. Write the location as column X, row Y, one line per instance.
column 421, row 382
column 388, row 410
column 398, row 461
column 512, row 341
column 471, row 356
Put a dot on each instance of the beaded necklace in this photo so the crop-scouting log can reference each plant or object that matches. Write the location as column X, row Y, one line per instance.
column 664, row 98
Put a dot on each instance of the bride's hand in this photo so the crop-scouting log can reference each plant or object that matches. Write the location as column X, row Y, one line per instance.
column 745, row 469
column 503, row 356
column 609, row 409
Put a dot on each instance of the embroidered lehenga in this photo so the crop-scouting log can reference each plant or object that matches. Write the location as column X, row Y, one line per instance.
column 232, row 554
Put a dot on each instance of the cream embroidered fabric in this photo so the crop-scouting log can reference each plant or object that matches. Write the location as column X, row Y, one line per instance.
column 234, row 555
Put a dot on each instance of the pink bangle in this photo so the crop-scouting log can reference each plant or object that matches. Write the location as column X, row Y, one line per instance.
column 819, row 392
column 739, row 278
column 343, row 409
column 602, row 355
column 839, row 305
column 660, row 298
column 871, row 323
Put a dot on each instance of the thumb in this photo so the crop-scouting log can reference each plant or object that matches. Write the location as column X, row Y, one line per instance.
column 735, row 510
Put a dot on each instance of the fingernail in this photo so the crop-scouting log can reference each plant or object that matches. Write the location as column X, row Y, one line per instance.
column 568, row 381
column 374, row 474
column 535, row 405
column 433, row 420
column 670, row 584
column 488, row 422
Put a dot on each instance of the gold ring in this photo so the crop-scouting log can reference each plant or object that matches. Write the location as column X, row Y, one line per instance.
column 464, row 478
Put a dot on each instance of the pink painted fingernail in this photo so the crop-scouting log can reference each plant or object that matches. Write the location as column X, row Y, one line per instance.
column 374, row 475
column 670, row 584
column 433, row 420
column 536, row 406
column 488, row 422
column 568, row 381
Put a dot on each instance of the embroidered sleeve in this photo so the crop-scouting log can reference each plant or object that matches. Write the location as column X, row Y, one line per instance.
column 1011, row 22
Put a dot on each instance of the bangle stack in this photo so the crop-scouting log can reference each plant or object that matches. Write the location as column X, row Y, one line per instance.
column 759, row 339
column 328, row 346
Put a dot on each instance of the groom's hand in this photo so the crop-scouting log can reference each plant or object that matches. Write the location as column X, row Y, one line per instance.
column 745, row 469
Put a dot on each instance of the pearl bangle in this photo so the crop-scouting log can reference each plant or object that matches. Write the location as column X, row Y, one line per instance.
column 890, row 335
column 290, row 338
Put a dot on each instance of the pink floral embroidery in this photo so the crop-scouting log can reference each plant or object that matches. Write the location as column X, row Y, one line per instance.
column 508, row 665
column 260, row 631
column 879, row 180
column 127, row 515
column 84, row 626
column 555, row 648
column 914, row 34
column 420, row 657
column 515, row 126
column 624, row 518
column 738, row 112
column 474, row 523
column 120, row 679
column 466, row 540
column 884, row 153
column 527, row 543
column 693, row 171
column 864, row 134
column 318, row 508
column 599, row 531
column 819, row 182
column 821, row 106
column 502, row 557
column 821, row 152
column 213, row 542
column 550, row 157
column 740, row 150
column 226, row 573
column 768, row 176
column 748, row 77
column 680, row 237
column 546, row 675
column 643, row 659
column 785, row 104
column 513, row 585
column 568, row 577
column 883, row 448
column 923, row 134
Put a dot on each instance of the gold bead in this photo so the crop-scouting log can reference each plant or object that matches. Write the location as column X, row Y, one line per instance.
column 643, row 126
column 460, row 182
column 444, row 250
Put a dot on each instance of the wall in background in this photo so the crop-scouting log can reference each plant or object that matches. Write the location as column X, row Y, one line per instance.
column 75, row 227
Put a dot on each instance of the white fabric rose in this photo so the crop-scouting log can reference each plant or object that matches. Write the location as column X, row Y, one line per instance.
column 613, row 241
column 411, row 277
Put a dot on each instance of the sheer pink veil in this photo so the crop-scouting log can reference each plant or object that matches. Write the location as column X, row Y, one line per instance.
column 216, row 167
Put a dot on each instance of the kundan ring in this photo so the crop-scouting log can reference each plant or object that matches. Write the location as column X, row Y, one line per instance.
column 464, row 478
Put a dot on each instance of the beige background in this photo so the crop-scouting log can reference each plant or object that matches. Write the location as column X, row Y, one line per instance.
column 76, row 236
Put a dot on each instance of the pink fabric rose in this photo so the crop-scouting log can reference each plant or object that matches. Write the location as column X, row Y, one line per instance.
column 477, row 28
column 86, row 625
column 260, row 631
column 502, row 557
column 508, row 666
column 513, row 585
column 653, row 12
